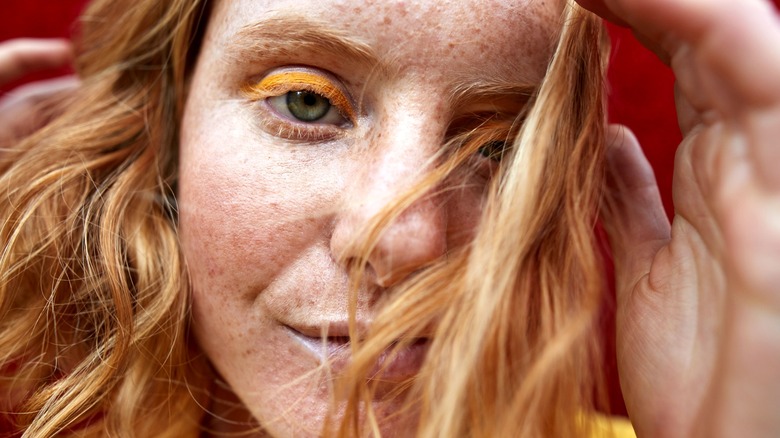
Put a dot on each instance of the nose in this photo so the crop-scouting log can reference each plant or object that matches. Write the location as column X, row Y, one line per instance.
column 388, row 169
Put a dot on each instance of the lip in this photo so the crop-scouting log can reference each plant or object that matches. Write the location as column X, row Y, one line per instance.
column 335, row 349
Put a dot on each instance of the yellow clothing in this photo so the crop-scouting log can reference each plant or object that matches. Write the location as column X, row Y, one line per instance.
column 612, row 427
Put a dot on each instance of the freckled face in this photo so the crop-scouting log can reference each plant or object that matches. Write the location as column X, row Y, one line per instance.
column 304, row 118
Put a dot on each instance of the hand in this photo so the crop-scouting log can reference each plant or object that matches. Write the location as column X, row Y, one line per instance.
column 20, row 110
column 698, row 320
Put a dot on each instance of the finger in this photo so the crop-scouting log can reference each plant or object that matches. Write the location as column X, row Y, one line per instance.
column 34, row 92
column 683, row 19
column 28, row 108
column 22, row 56
column 738, row 38
column 654, row 47
column 599, row 8
column 636, row 220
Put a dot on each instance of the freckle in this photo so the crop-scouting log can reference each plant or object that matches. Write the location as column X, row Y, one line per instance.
column 387, row 20
column 214, row 271
column 297, row 302
column 451, row 45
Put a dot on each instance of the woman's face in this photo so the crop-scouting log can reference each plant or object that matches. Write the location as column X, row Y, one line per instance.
column 304, row 118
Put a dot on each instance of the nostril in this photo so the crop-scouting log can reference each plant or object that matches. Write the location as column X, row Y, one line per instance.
column 392, row 245
column 410, row 243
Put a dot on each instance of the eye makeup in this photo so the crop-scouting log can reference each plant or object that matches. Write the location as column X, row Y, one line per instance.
column 281, row 83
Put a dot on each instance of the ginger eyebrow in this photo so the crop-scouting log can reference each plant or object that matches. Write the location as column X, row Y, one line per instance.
column 289, row 36
column 502, row 93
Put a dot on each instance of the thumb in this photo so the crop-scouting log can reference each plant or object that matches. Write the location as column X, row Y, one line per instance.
column 28, row 108
column 634, row 216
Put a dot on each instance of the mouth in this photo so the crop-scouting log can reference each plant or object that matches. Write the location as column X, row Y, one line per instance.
column 392, row 365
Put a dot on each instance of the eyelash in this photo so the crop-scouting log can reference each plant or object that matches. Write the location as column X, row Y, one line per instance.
column 274, row 91
column 487, row 137
column 489, row 155
column 493, row 150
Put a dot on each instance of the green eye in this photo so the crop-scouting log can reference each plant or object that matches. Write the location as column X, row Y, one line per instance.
column 307, row 106
column 493, row 150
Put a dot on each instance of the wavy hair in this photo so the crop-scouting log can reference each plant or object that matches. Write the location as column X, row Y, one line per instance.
column 93, row 302
column 516, row 348
column 93, row 291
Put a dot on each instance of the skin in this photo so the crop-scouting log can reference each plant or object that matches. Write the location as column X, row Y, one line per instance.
column 22, row 56
column 698, row 300
column 698, row 309
column 20, row 112
column 267, row 221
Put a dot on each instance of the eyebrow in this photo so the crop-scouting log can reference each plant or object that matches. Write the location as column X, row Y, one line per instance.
column 294, row 36
column 290, row 36
column 466, row 91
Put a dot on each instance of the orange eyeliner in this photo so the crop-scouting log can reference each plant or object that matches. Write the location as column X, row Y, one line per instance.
column 279, row 83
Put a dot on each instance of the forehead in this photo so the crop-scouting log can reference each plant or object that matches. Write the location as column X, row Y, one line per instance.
column 510, row 39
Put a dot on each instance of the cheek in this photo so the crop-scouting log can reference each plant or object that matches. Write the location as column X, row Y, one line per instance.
column 251, row 213
column 230, row 223
column 248, row 206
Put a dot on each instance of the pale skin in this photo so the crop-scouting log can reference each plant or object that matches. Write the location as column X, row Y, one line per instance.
column 698, row 300
column 268, row 205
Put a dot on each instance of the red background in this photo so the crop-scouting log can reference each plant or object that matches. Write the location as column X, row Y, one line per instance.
column 640, row 89
column 640, row 85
